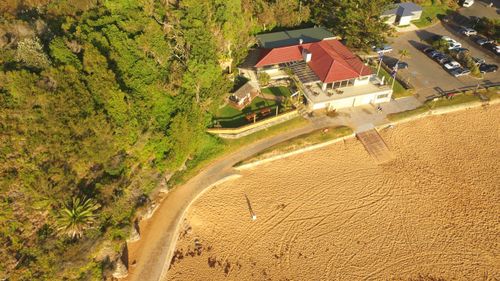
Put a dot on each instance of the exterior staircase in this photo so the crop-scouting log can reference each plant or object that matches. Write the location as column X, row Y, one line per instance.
column 301, row 108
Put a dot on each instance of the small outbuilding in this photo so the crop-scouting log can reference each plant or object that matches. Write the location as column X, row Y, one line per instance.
column 402, row 14
column 244, row 95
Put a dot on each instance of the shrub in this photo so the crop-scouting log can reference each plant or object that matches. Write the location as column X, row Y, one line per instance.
column 489, row 27
column 264, row 78
column 77, row 216
column 441, row 45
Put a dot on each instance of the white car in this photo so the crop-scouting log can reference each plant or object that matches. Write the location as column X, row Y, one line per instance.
column 452, row 65
column 454, row 45
column 448, row 39
column 468, row 31
column 468, row 3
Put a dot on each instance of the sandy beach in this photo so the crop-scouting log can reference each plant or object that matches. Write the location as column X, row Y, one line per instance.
column 335, row 214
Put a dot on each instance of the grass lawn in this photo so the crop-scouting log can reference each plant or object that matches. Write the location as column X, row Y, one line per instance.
column 212, row 147
column 399, row 90
column 277, row 91
column 442, row 102
column 230, row 117
column 407, row 114
column 316, row 137
column 430, row 14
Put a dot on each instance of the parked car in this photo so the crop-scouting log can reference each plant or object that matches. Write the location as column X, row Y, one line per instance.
column 468, row 31
column 401, row 65
column 446, row 38
column 428, row 50
column 493, row 47
column 467, row 3
column 454, row 46
column 478, row 61
column 384, row 49
column 435, row 54
column 485, row 68
column 452, row 65
column 443, row 60
column 461, row 50
column 482, row 40
column 460, row 71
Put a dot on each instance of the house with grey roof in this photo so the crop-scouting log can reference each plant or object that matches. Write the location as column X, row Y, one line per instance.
column 402, row 14
column 293, row 37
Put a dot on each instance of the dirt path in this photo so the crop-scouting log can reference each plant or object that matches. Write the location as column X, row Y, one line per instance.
column 152, row 253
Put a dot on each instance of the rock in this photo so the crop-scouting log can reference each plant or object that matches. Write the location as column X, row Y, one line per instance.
column 150, row 211
column 134, row 234
column 120, row 270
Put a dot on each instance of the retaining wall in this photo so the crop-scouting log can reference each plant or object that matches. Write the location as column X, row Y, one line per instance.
column 230, row 133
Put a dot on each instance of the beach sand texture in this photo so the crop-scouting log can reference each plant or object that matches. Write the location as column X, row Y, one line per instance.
column 335, row 214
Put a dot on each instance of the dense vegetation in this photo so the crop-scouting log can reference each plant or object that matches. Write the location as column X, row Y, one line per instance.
column 489, row 28
column 100, row 101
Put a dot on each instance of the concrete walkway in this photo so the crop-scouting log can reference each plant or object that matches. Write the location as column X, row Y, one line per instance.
column 151, row 255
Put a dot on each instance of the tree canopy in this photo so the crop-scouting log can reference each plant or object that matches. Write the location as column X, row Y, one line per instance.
column 356, row 21
column 101, row 100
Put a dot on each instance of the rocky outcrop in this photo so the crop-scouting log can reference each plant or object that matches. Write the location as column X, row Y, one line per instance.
column 121, row 270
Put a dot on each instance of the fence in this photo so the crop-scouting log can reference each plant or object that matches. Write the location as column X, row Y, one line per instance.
column 442, row 93
column 405, row 83
column 235, row 133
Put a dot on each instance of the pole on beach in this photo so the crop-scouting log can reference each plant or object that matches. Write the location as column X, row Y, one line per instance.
column 253, row 216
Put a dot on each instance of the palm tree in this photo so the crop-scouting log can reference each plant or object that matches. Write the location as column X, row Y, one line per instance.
column 403, row 53
column 76, row 217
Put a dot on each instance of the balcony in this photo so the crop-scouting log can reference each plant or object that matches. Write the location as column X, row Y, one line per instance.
column 315, row 94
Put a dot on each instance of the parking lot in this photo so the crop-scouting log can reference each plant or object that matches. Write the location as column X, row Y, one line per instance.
column 427, row 76
column 482, row 8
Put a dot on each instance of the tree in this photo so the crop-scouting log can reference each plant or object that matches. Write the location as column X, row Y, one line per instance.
column 76, row 217
column 29, row 51
column 403, row 53
column 441, row 45
column 356, row 21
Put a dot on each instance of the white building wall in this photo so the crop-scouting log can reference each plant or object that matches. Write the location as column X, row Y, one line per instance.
column 416, row 15
column 405, row 20
column 362, row 80
column 372, row 98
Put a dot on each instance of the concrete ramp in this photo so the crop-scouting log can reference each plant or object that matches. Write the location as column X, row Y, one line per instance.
column 375, row 145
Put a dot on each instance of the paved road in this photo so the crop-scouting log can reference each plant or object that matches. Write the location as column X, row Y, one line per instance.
column 153, row 252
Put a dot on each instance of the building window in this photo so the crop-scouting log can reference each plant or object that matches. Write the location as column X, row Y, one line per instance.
column 382, row 96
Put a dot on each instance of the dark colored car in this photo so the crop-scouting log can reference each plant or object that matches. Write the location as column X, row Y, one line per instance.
column 482, row 40
column 401, row 65
column 492, row 47
column 478, row 61
column 460, row 50
column 485, row 68
column 443, row 59
column 459, row 71
column 435, row 54
column 428, row 50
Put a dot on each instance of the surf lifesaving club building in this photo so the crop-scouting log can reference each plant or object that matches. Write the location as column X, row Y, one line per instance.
column 332, row 76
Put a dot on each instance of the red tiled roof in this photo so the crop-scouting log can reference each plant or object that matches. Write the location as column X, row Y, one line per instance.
column 280, row 55
column 331, row 60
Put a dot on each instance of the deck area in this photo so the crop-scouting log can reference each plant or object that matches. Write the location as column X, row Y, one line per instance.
column 316, row 94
